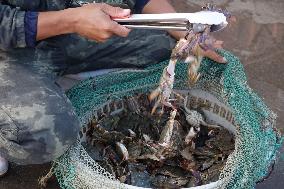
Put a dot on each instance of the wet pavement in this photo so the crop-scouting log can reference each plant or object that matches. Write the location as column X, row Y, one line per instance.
column 257, row 38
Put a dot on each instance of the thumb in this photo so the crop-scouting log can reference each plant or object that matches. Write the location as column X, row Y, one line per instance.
column 115, row 12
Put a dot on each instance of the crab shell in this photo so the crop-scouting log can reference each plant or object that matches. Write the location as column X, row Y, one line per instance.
column 194, row 118
column 122, row 150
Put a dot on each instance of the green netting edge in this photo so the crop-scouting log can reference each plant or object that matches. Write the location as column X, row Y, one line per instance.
column 257, row 141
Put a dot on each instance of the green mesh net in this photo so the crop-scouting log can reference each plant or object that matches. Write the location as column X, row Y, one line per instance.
column 257, row 139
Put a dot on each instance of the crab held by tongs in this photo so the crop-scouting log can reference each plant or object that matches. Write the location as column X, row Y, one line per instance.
column 198, row 27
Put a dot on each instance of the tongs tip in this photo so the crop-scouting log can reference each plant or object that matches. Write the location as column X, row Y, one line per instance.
column 216, row 28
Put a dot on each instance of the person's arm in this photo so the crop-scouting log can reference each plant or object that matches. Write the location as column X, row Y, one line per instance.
column 163, row 6
column 23, row 29
column 92, row 21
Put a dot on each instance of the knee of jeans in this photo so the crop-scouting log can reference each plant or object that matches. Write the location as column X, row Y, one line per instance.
column 36, row 142
column 53, row 141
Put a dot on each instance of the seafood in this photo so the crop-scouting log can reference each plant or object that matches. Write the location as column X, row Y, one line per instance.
column 162, row 181
column 182, row 50
column 193, row 74
column 191, row 135
column 212, row 174
column 222, row 141
column 122, row 150
column 189, row 49
column 186, row 154
column 167, row 132
column 146, row 138
column 133, row 105
column 161, row 150
column 207, row 164
column 139, row 175
column 132, row 133
column 134, row 150
column 195, row 119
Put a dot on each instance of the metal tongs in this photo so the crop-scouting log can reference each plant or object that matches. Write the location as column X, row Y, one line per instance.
column 176, row 21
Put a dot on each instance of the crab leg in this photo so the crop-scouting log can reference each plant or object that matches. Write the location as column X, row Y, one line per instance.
column 193, row 74
column 164, row 91
column 165, row 88
column 167, row 132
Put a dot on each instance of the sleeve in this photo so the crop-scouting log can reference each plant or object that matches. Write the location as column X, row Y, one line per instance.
column 140, row 4
column 30, row 24
column 12, row 28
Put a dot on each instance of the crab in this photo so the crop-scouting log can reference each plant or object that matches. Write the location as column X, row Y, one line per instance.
column 189, row 48
column 195, row 120
column 182, row 51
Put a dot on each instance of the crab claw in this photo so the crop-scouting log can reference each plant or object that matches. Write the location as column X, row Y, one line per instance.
column 191, row 134
column 193, row 74
column 193, row 78
column 154, row 94
column 168, row 104
column 122, row 150
column 157, row 103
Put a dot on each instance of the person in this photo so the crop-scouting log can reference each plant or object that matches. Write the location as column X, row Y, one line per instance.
column 41, row 40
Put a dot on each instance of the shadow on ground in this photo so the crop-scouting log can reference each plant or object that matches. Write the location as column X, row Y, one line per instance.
column 257, row 38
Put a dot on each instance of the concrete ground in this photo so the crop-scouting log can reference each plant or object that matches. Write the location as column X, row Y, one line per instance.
column 257, row 38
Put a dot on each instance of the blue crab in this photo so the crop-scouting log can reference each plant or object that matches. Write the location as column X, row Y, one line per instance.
column 189, row 49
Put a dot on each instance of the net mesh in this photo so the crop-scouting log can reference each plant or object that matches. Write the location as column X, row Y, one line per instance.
column 257, row 139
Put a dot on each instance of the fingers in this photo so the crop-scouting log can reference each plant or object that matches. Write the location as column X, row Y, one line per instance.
column 233, row 19
column 218, row 44
column 214, row 56
column 119, row 30
column 115, row 12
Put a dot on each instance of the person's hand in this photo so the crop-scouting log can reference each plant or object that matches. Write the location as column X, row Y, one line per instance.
column 94, row 21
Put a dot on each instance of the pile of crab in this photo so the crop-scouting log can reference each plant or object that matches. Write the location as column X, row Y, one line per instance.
column 165, row 149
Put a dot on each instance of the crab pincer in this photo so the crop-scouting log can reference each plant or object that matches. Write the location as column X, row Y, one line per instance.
column 122, row 150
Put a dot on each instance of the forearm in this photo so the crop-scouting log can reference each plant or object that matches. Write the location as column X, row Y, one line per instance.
column 162, row 6
column 55, row 23
column 158, row 6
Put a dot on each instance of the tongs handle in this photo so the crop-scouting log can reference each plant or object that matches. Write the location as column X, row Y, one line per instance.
column 176, row 21
column 156, row 25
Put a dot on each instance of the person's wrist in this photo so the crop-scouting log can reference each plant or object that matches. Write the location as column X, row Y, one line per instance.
column 71, row 20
